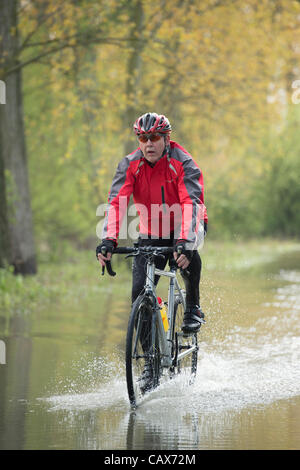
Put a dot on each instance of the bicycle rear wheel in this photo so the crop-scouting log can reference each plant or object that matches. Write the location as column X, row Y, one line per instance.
column 185, row 350
column 143, row 363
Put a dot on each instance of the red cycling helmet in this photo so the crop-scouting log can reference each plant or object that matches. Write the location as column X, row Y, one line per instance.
column 151, row 122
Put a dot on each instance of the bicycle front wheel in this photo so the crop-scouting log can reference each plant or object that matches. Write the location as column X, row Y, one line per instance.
column 143, row 364
column 185, row 349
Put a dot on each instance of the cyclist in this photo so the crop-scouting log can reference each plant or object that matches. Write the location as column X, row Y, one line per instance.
column 160, row 173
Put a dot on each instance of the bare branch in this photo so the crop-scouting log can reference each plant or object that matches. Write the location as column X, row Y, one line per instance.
column 42, row 20
column 115, row 41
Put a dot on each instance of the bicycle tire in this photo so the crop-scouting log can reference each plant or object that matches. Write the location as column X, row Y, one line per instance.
column 187, row 366
column 141, row 347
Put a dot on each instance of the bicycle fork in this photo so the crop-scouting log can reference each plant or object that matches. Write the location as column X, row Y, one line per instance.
column 164, row 341
column 180, row 350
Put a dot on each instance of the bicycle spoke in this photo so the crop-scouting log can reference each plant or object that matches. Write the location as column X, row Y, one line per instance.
column 142, row 352
column 145, row 362
column 185, row 349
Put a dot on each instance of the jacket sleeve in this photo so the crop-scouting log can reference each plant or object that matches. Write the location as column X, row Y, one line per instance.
column 191, row 195
column 118, row 199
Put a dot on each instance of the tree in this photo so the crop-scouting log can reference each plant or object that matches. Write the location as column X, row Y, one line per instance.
column 133, row 79
column 211, row 66
column 17, row 241
column 48, row 27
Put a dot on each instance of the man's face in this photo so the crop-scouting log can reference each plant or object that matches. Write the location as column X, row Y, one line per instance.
column 153, row 150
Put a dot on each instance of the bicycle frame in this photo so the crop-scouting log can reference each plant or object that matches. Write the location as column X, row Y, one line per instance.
column 165, row 339
column 170, row 354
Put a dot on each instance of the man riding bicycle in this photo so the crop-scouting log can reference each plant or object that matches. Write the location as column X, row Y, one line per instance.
column 160, row 173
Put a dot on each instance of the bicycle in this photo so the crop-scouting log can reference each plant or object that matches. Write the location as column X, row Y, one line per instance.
column 148, row 346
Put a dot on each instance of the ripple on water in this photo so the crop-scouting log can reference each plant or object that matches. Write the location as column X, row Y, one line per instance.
column 250, row 366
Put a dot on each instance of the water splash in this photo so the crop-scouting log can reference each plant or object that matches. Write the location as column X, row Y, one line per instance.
column 249, row 366
column 99, row 383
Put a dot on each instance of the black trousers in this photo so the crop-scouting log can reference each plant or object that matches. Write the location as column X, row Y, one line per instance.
column 191, row 275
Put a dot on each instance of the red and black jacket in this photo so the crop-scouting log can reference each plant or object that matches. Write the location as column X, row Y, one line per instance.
column 169, row 196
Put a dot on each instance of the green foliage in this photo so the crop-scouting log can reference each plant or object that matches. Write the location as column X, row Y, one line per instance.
column 217, row 71
column 76, row 281
column 278, row 193
column 17, row 294
column 65, row 281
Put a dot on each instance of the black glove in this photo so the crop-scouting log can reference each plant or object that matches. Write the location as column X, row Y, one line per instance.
column 205, row 228
column 180, row 248
column 107, row 246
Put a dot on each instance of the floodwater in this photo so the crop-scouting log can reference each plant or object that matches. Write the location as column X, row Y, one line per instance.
column 63, row 385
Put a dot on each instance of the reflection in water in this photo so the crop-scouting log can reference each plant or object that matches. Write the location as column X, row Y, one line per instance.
column 143, row 433
column 18, row 350
column 242, row 375
column 246, row 394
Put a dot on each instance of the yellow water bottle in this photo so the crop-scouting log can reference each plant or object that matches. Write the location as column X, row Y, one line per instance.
column 163, row 312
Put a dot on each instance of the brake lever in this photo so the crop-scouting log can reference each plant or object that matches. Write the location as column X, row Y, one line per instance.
column 185, row 271
column 182, row 271
column 109, row 268
column 131, row 255
column 108, row 265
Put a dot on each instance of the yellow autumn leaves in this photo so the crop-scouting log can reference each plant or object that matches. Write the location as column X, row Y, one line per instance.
column 222, row 71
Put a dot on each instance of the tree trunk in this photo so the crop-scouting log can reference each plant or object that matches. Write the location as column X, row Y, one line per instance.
column 16, row 228
column 3, row 214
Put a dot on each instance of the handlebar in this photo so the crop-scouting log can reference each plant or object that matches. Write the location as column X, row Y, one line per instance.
column 134, row 251
column 144, row 249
